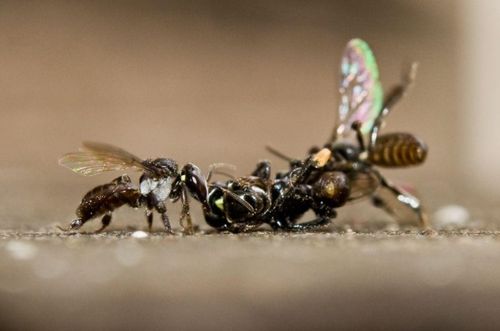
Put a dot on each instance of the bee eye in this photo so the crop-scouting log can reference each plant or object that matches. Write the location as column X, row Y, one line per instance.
column 196, row 183
column 235, row 186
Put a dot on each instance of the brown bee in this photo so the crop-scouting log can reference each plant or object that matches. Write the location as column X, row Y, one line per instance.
column 160, row 181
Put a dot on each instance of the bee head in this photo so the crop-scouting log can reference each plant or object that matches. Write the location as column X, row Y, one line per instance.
column 195, row 182
column 347, row 152
column 164, row 167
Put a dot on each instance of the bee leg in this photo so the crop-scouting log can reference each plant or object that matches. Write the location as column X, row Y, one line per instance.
column 323, row 218
column 186, row 215
column 280, row 224
column 391, row 99
column 280, row 155
column 407, row 200
column 149, row 219
column 74, row 225
column 106, row 220
column 298, row 175
column 263, row 170
column 287, row 225
column 214, row 169
column 162, row 209
column 400, row 90
column 317, row 223
column 166, row 223
column 356, row 126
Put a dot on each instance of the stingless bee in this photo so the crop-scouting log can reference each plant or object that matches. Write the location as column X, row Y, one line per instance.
column 160, row 181
column 244, row 203
column 362, row 112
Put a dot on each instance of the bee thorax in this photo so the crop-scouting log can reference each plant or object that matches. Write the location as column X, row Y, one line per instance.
column 160, row 188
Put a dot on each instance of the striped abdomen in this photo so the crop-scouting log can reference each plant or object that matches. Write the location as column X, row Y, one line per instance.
column 398, row 150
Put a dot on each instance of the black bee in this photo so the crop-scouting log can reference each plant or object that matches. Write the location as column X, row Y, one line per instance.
column 362, row 111
column 160, row 181
column 244, row 203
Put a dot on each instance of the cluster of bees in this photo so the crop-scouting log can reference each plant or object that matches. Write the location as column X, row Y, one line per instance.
column 342, row 171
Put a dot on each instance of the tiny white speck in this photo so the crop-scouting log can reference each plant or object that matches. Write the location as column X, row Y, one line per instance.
column 21, row 250
column 140, row 235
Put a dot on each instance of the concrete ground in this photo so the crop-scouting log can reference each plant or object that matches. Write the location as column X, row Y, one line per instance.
column 216, row 81
column 326, row 280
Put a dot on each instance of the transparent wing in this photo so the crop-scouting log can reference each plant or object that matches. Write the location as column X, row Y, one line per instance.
column 361, row 94
column 404, row 207
column 363, row 184
column 96, row 158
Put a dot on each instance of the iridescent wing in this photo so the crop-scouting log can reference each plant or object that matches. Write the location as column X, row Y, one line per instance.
column 96, row 158
column 361, row 94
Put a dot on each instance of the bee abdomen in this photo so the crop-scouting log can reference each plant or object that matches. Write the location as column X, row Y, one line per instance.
column 398, row 150
column 106, row 198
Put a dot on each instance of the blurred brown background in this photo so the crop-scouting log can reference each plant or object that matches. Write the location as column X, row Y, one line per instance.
column 215, row 81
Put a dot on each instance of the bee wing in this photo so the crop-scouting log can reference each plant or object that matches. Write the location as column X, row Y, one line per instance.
column 95, row 158
column 361, row 94
column 363, row 184
column 400, row 205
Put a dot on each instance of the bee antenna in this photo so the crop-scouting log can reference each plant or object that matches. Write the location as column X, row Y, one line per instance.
column 213, row 170
column 356, row 126
column 279, row 154
column 238, row 199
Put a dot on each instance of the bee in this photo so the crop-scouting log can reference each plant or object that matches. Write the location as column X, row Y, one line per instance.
column 356, row 145
column 160, row 181
column 245, row 203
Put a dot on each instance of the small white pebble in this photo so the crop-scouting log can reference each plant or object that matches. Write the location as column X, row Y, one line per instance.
column 349, row 231
column 140, row 235
column 21, row 250
column 451, row 215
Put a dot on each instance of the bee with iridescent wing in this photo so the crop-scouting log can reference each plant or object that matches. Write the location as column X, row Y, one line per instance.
column 361, row 113
column 160, row 181
column 245, row 203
